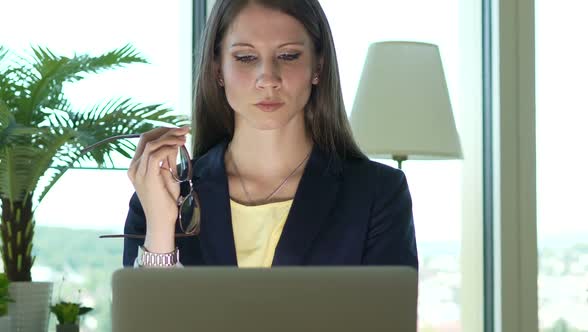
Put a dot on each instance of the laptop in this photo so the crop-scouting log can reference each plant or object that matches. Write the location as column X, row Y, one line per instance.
column 211, row 299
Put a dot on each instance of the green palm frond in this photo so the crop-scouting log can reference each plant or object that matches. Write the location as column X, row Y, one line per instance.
column 17, row 154
column 48, row 72
column 37, row 121
column 116, row 58
column 15, row 165
column 60, row 117
column 6, row 117
column 3, row 53
column 119, row 117
column 52, row 176
column 11, row 87
column 57, row 155
column 60, row 69
column 42, row 135
column 11, row 131
column 33, row 106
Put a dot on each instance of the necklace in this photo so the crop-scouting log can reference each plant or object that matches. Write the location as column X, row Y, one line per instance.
column 275, row 191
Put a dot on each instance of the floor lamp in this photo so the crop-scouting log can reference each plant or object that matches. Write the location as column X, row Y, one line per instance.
column 402, row 108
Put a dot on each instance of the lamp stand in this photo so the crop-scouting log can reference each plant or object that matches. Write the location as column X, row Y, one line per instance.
column 399, row 160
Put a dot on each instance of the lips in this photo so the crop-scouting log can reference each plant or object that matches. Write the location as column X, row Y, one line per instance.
column 269, row 106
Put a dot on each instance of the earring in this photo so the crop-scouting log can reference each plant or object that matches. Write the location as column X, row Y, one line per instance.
column 221, row 82
column 315, row 79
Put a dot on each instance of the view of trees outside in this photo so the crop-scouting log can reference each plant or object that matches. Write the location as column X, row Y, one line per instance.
column 80, row 265
column 562, row 117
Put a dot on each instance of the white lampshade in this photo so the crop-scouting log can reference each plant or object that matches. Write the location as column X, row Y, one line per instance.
column 402, row 108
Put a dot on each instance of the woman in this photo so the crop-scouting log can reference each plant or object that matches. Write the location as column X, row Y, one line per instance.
column 279, row 177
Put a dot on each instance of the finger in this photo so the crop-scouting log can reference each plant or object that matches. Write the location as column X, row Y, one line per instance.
column 152, row 140
column 153, row 157
column 171, row 183
column 156, row 134
column 151, row 146
column 170, row 162
column 153, row 163
column 132, row 172
column 176, row 141
column 147, row 137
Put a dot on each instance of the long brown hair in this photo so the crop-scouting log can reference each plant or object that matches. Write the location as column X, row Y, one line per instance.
column 325, row 115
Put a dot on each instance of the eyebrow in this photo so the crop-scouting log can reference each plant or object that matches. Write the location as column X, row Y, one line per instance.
column 279, row 46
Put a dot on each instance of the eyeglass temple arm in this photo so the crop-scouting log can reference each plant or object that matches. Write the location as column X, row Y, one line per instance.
column 108, row 140
column 140, row 236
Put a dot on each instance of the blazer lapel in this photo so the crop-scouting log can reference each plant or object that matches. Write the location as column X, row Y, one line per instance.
column 216, row 231
column 314, row 199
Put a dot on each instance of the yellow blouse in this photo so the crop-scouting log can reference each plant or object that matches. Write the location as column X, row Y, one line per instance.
column 256, row 230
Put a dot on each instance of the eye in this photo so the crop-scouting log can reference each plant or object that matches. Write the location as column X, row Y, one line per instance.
column 289, row 56
column 245, row 58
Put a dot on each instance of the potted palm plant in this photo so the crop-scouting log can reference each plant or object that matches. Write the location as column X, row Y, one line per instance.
column 41, row 137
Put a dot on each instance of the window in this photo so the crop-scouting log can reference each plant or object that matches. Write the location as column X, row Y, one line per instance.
column 562, row 227
column 446, row 196
column 87, row 202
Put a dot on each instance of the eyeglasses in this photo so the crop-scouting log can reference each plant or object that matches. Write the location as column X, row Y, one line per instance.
column 188, row 202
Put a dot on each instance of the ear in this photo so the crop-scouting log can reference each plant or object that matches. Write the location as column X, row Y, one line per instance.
column 319, row 65
column 218, row 75
column 316, row 75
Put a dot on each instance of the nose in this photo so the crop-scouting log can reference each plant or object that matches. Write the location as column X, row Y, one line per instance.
column 269, row 76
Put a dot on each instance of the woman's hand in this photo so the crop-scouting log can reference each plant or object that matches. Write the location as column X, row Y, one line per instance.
column 156, row 188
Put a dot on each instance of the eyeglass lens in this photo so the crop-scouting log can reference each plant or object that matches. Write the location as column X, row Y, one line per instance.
column 189, row 214
column 183, row 164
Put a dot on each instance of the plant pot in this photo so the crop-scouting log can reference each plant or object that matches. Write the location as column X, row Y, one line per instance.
column 68, row 328
column 5, row 323
column 30, row 310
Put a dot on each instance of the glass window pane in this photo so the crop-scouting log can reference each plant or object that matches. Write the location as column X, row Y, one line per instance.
column 87, row 202
column 561, row 71
column 436, row 186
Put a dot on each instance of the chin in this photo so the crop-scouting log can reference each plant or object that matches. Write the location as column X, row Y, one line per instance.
column 269, row 124
column 271, row 120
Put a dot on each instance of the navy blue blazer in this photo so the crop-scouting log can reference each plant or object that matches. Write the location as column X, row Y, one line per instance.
column 345, row 212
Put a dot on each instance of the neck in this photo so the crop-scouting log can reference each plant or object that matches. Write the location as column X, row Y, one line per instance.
column 268, row 153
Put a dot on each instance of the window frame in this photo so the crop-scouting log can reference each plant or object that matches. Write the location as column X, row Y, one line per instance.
column 515, row 216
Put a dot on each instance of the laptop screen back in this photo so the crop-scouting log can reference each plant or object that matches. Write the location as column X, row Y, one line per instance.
column 342, row 299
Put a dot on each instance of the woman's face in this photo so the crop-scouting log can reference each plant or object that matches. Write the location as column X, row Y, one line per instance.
column 267, row 57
